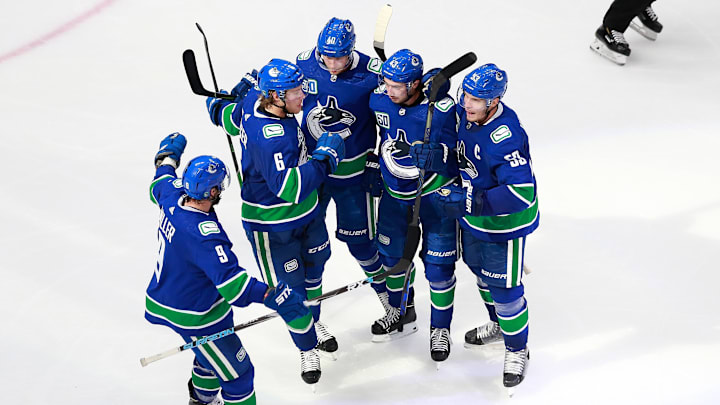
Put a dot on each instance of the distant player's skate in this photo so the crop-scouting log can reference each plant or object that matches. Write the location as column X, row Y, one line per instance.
column 515, row 368
column 611, row 45
column 647, row 24
column 327, row 344
column 393, row 326
column 440, row 342
column 483, row 335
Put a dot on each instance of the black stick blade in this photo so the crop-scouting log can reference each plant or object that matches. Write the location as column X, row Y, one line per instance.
column 457, row 66
column 194, row 77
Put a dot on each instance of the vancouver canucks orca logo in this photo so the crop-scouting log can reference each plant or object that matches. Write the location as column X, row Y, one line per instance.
column 397, row 150
column 324, row 118
column 464, row 163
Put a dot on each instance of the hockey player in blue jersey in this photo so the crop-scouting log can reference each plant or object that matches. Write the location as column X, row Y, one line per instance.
column 280, row 209
column 339, row 81
column 197, row 278
column 496, row 207
column 401, row 108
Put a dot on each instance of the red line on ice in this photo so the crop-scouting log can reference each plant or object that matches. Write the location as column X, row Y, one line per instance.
column 56, row 32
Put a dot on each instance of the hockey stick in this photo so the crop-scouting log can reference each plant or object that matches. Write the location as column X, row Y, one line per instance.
column 341, row 290
column 381, row 25
column 194, row 78
column 413, row 233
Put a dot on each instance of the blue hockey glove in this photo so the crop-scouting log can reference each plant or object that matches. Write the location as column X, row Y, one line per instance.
column 430, row 156
column 372, row 180
column 427, row 84
column 241, row 89
column 289, row 304
column 453, row 202
column 331, row 148
column 215, row 106
column 170, row 150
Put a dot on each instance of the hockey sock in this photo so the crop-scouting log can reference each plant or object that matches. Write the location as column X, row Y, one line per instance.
column 205, row 383
column 395, row 284
column 442, row 296
column 313, row 289
column 512, row 316
column 487, row 299
column 240, row 391
column 248, row 399
column 367, row 256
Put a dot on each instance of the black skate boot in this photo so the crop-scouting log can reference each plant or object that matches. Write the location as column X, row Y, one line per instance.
column 440, row 343
column 194, row 400
column 310, row 366
column 611, row 44
column 393, row 326
column 483, row 335
column 327, row 344
column 515, row 368
column 646, row 24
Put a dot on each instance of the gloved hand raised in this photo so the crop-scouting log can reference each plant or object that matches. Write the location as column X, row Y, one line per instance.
column 452, row 201
column 246, row 83
column 331, row 148
column 431, row 157
column 427, row 81
column 170, row 150
column 214, row 107
column 372, row 180
column 289, row 304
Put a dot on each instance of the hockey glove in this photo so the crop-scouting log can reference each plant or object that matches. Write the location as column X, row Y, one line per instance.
column 241, row 89
column 432, row 157
column 427, row 84
column 330, row 148
column 170, row 150
column 453, row 202
column 289, row 304
column 372, row 180
column 214, row 107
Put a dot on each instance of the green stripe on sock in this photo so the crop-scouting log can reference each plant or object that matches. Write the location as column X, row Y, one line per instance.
column 514, row 325
column 314, row 292
column 442, row 300
column 302, row 324
column 206, row 383
column 486, row 297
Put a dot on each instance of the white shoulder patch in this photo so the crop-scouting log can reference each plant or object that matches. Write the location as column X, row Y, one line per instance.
column 177, row 183
column 208, row 227
column 305, row 55
column 445, row 104
column 273, row 130
column 500, row 134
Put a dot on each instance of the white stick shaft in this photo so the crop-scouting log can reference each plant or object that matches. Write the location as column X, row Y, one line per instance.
column 381, row 25
column 155, row 357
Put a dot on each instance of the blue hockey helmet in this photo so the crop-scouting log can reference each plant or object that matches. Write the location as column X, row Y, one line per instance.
column 337, row 38
column 202, row 174
column 404, row 66
column 487, row 82
column 279, row 75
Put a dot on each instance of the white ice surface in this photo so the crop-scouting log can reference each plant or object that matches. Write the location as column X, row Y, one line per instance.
column 623, row 294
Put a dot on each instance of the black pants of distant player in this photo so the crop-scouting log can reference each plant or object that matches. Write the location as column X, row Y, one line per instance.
column 621, row 12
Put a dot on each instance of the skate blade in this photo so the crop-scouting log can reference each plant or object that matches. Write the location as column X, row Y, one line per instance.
column 408, row 329
column 510, row 392
column 328, row 355
column 605, row 52
column 641, row 29
column 313, row 388
column 481, row 347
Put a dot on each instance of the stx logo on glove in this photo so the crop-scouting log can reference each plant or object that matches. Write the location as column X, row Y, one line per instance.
column 283, row 295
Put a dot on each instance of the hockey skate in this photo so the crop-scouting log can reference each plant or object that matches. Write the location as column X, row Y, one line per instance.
column 646, row 24
column 194, row 400
column 310, row 366
column 393, row 326
column 385, row 301
column 515, row 368
column 483, row 335
column 327, row 344
column 440, row 342
column 611, row 44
